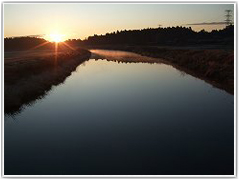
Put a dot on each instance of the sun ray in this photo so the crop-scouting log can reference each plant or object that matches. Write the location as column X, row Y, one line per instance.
column 40, row 45
column 56, row 53
column 69, row 46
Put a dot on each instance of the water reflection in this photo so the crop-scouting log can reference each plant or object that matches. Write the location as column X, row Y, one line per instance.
column 121, row 119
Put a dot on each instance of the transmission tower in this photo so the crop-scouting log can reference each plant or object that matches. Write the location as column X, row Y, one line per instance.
column 228, row 17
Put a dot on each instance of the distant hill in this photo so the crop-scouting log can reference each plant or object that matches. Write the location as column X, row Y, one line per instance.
column 22, row 43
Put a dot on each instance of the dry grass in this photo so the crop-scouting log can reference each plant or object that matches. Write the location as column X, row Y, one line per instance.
column 28, row 79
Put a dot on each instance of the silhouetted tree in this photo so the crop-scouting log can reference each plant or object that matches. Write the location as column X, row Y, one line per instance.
column 162, row 36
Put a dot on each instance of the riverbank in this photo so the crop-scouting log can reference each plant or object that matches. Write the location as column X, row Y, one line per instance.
column 216, row 66
column 27, row 78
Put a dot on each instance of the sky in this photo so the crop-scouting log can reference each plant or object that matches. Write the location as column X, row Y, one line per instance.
column 79, row 20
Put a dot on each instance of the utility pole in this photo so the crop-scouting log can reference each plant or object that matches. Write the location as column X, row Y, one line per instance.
column 228, row 17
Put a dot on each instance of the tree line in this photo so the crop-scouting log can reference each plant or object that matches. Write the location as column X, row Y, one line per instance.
column 164, row 36
column 175, row 36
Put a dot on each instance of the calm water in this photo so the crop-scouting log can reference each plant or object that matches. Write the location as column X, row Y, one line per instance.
column 118, row 118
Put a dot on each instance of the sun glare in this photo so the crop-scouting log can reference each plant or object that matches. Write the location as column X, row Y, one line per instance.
column 55, row 37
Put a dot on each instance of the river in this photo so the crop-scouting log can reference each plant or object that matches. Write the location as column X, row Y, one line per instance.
column 120, row 117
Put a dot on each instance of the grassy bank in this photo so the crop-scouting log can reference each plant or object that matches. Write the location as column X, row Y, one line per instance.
column 27, row 78
column 216, row 66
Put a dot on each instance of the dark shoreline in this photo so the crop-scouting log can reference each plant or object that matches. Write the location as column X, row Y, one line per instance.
column 215, row 66
column 28, row 80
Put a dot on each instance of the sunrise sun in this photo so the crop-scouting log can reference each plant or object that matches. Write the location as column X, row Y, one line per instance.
column 55, row 37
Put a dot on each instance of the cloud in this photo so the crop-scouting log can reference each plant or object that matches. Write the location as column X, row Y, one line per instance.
column 207, row 23
column 35, row 35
